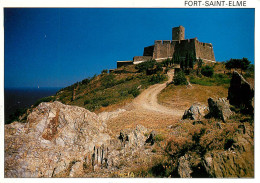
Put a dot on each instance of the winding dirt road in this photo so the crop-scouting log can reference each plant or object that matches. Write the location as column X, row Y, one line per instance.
column 148, row 99
column 145, row 110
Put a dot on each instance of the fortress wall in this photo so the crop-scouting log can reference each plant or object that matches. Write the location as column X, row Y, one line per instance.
column 124, row 63
column 142, row 58
column 148, row 51
column 184, row 46
column 204, row 51
column 163, row 49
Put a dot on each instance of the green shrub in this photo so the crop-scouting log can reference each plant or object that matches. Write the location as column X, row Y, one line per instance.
column 180, row 79
column 217, row 80
column 85, row 81
column 105, row 71
column 207, row 71
column 45, row 99
column 144, row 66
column 154, row 150
column 157, row 78
column 108, row 80
column 105, row 103
column 134, row 91
column 15, row 116
column 159, row 138
column 86, row 102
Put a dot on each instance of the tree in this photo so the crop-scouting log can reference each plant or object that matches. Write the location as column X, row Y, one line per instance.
column 180, row 79
column 105, row 71
column 187, row 60
column 199, row 62
column 181, row 64
column 244, row 64
column 207, row 71
column 176, row 58
column 192, row 60
column 241, row 64
column 229, row 64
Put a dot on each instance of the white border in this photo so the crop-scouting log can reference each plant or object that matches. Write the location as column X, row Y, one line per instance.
column 134, row 4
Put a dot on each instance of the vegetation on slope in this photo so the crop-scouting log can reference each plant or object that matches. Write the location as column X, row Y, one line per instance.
column 227, row 146
column 110, row 90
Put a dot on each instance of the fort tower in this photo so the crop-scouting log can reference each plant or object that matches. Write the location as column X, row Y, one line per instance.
column 178, row 33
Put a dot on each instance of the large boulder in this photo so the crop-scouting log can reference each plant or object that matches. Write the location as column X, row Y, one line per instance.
column 241, row 93
column 133, row 138
column 219, row 109
column 53, row 139
column 195, row 112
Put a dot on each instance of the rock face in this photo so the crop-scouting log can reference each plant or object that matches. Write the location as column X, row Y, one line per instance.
column 56, row 139
column 240, row 93
column 104, row 116
column 237, row 161
column 67, row 141
column 219, row 109
column 195, row 112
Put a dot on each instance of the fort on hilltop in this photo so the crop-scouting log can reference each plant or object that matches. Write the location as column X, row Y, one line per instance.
column 163, row 49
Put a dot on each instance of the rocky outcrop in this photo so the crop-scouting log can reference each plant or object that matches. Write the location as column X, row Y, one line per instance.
column 195, row 112
column 241, row 93
column 151, row 138
column 219, row 109
column 67, row 141
column 232, row 163
column 104, row 116
column 54, row 137
column 135, row 138
column 184, row 168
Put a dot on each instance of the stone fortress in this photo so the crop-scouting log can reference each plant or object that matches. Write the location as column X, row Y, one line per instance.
column 162, row 50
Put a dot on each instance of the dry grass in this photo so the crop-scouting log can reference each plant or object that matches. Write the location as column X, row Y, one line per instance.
column 220, row 68
column 130, row 119
column 182, row 97
column 114, row 107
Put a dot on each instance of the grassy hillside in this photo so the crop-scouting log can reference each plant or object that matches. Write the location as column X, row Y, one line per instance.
column 201, row 87
column 109, row 91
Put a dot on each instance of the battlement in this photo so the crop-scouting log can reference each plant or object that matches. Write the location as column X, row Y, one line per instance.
column 204, row 44
column 163, row 41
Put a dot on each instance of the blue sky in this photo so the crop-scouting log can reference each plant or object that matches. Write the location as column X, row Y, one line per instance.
column 58, row 47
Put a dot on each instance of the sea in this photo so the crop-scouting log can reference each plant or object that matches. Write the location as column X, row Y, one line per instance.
column 20, row 98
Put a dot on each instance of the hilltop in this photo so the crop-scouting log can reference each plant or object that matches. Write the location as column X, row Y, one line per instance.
column 145, row 124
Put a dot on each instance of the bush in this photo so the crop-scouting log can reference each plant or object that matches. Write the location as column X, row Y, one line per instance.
column 86, row 81
column 45, row 99
column 180, row 79
column 178, row 146
column 105, row 71
column 207, row 71
column 144, row 66
column 134, row 91
column 15, row 116
column 159, row 138
column 157, row 78
column 215, row 80
column 108, row 80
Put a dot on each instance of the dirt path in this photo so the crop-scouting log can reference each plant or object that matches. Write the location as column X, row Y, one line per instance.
column 148, row 99
column 145, row 110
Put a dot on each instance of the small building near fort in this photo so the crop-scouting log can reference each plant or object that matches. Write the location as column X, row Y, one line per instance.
column 163, row 49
